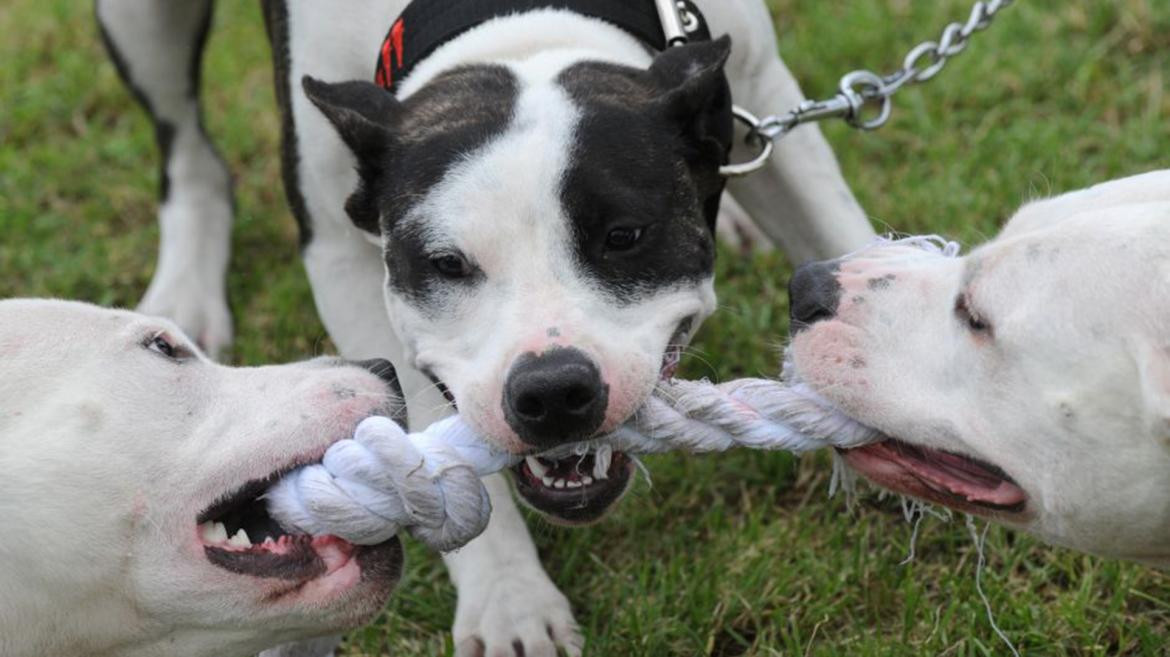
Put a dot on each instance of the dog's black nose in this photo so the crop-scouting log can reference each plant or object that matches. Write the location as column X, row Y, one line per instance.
column 813, row 294
column 382, row 368
column 554, row 398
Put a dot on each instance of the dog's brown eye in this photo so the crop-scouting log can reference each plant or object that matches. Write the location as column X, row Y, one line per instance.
column 622, row 239
column 164, row 347
column 451, row 265
column 974, row 322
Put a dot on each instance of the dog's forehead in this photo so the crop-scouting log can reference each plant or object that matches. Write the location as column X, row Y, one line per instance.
column 467, row 104
column 74, row 326
column 52, row 318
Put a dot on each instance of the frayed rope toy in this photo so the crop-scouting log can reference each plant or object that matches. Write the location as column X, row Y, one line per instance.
column 383, row 479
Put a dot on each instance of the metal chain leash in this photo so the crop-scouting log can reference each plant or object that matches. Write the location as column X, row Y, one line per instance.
column 863, row 88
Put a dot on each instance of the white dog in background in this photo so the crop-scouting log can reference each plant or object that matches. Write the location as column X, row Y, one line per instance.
column 130, row 467
column 1028, row 382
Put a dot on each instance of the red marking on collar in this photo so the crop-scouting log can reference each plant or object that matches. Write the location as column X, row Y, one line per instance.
column 391, row 55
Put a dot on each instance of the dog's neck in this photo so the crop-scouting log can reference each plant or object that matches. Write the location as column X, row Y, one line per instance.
column 556, row 36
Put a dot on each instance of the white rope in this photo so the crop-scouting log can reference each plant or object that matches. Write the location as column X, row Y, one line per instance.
column 368, row 488
column 383, row 480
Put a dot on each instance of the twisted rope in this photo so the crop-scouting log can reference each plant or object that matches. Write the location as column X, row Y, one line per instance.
column 366, row 489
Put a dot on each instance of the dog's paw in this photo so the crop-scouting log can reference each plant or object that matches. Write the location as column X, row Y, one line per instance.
column 200, row 308
column 518, row 614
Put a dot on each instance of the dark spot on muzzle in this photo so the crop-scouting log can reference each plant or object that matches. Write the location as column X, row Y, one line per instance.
column 881, row 283
column 813, row 294
column 555, row 397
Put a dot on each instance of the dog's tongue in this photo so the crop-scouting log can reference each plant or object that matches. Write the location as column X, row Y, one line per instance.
column 960, row 476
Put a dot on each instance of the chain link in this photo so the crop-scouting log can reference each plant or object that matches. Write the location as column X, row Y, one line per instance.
column 863, row 88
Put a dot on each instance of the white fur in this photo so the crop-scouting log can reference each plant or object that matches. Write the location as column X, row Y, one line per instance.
column 109, row 451
column 1071, row 395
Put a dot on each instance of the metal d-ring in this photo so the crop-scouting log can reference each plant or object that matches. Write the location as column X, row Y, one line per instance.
column 735, row 170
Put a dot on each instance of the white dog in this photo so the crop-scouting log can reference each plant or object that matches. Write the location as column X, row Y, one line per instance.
column 1028, row 382
column 127, row 460
column 523, row 223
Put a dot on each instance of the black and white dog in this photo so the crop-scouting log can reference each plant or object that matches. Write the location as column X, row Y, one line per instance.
column 524, row 224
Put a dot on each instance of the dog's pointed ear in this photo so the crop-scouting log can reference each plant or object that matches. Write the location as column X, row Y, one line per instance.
column 695, row 86
column 362, row 112
column 364, row 115
column 697, row 99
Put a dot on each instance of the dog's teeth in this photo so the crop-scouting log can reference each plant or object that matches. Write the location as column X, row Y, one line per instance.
column 574, row 484
column 586, row 480
column 536, row 467
column 547, row 481
column 240, row 540
column 213, row 532
column 559, row 483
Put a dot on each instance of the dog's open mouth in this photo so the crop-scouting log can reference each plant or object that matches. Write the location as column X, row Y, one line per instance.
column 238, row 535
column 575, row 489
column 954, row 480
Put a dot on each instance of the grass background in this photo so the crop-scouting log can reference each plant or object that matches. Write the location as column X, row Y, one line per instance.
column 740, row 554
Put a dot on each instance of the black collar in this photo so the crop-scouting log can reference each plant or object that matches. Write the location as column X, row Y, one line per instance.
column 427, row 24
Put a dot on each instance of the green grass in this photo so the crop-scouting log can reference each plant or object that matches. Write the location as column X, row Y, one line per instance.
column 741, row 554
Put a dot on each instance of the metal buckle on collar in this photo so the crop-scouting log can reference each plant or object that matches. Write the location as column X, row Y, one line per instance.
column 677, row 21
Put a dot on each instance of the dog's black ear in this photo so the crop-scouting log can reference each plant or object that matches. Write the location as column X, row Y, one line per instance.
column 697, row 99
column 696, row 92
column 364, row 114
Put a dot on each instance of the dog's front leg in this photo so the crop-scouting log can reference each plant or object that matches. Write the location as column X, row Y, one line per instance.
column 157, row 47
column 507, row 603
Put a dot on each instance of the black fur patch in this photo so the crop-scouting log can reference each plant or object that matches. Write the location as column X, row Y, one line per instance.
column 406, row 148
column 647, row 156
column 452, row 116
column 276, row 24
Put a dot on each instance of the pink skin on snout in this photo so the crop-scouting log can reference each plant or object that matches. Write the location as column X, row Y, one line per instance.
column 830, row 353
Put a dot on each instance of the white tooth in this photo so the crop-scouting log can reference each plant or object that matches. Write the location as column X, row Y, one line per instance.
column 536, row 467
column 240, row 539
column 601, row 461
column 586, row 480
column 574, row 484
column 559, row 483
column 213, row 532
column 547, row 481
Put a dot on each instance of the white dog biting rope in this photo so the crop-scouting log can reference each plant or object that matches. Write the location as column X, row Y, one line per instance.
column 363, row 493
